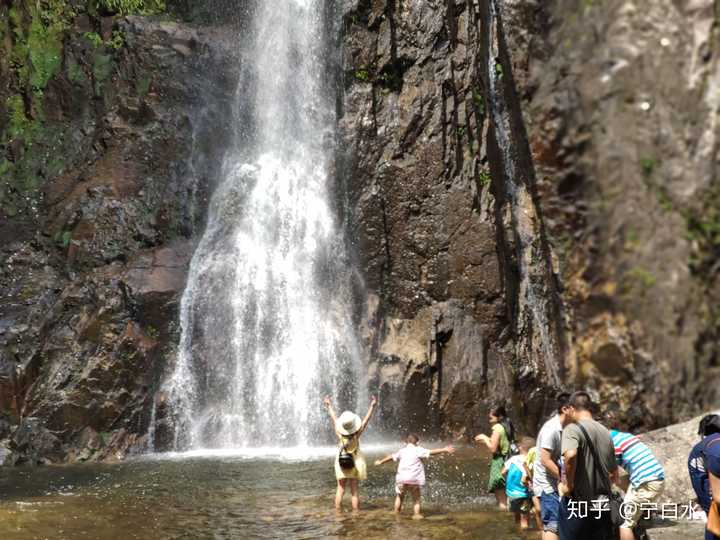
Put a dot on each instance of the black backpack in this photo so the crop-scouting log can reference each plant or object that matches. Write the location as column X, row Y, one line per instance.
column 346, row 459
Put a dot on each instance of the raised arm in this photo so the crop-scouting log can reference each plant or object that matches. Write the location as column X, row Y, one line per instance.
column 371, row 410
column 446, row 450
column 384, row 460
column 331, row 411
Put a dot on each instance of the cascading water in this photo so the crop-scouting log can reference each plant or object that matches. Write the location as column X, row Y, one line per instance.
column 266, row 324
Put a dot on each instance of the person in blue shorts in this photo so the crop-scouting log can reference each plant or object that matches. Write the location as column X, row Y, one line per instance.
column 546, row 475
column 704, row 465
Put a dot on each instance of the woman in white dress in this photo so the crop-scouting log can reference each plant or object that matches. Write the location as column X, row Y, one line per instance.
column 349, row 470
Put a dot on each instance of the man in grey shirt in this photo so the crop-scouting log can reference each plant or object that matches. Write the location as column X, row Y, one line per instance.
column 546, row 472
column 584, row 481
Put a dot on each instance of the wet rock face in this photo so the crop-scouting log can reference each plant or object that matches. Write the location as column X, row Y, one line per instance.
column 532, row 193
column 91, row 282
column 463, row 307
column 622, row 117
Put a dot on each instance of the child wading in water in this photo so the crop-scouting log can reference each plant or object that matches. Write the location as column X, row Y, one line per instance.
column 350, row 464
column 410, row 476
column 516, row 482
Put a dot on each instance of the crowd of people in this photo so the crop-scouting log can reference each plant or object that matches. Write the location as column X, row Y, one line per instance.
column 569, row 477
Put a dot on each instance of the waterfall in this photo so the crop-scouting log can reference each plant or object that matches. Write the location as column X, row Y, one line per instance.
column 266, row 316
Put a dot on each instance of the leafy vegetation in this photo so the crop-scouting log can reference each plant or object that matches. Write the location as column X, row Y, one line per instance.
column 33, row 34
column 664, row 200
column 94, row 38
column 479, row 101
column 484, row 178
column 130, row 7
column 498, row 69
column 648, row 164
column 703, row 231
column 362, row 75
column 152, row 332
column 632, row 240
column 638, row 278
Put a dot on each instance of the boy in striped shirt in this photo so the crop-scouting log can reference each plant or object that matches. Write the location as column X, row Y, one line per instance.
column 647, row 478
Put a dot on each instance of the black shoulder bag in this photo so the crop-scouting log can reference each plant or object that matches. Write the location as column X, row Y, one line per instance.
column 615, row 500
column 346, row 459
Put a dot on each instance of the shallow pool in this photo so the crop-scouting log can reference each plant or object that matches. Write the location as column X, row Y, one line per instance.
column 259, row 494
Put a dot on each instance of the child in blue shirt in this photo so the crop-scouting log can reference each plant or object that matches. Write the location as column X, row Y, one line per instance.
column 516, row 484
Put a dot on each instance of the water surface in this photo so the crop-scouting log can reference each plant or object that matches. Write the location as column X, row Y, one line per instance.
column 222, row 495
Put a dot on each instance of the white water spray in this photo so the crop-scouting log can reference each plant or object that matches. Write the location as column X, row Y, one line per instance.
column 266, row 324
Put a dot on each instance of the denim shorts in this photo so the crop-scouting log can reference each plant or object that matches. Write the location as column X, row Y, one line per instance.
column 550, row 511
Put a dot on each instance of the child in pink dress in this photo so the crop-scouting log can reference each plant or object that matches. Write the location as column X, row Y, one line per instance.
column 410, row 475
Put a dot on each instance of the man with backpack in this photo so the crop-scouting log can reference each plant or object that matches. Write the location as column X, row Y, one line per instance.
column 589, row 471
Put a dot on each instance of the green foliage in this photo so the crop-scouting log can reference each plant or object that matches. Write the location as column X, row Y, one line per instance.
column 362, row 75
column 5, row 167
column 639, row 277
column 498, row 69
column 44, row 44
column 115, row 42
column 484, row 178
column 19, row 53
column 75, row 72
column 131, row 7
column 703, row 231
column 94, row 38
column 664, row 200
column 479, row 101
column 102, row 69
column 152, row 332
column 33, row 33
column 647, row 165
column 19, row 125
column 632, row 240
column 63, row 238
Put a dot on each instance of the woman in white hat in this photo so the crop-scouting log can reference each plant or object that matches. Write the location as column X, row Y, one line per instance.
column 350, row 466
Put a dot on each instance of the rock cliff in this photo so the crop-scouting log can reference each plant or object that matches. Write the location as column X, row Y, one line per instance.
column 530, row 192
column 103, row 187
column 534, row 192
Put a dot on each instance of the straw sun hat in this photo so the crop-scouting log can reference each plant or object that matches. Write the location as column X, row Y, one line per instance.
column 348, row 423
